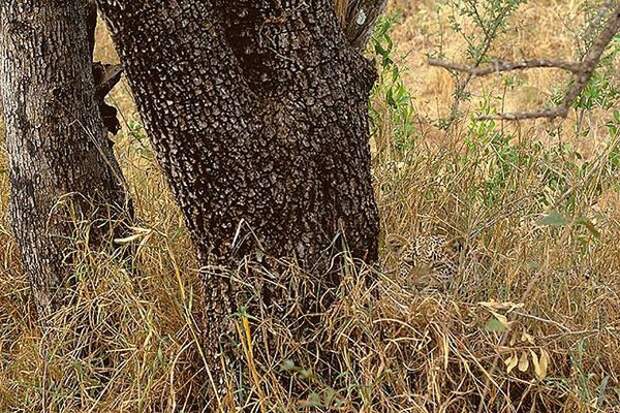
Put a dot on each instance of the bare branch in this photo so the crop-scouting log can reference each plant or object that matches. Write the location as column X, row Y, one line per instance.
column 501, row 66
column 593, row 57
column 582, row 71
column 557, row 112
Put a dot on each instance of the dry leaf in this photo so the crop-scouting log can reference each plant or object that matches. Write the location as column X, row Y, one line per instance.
column 511, row 362
column 525, row 337
column 537, row 369
column 446, row 352
column 524, row 363
column 494, row 305
column 544, row 361
column 513, row 340
column 540, row 364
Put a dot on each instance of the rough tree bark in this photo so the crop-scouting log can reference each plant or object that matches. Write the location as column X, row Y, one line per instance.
column 266, row 127
column 258, row 111
column 55, row 139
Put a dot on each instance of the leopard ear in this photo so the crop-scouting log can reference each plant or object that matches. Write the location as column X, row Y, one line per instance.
column 457, row 244
column 396, row 242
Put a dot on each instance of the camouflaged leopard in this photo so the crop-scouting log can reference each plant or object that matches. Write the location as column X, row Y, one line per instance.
column 431, row 261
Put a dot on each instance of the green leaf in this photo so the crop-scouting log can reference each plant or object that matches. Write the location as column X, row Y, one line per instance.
column 314, row 400
column 495, row 326
column 288, row 365
column 553, row 219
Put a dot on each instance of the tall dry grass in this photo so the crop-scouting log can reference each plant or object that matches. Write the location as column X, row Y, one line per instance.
column 528, row 285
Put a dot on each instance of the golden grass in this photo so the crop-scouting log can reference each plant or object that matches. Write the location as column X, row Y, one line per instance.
column 130, row 345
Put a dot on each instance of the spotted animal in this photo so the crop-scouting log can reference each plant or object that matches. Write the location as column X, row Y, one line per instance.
column 431, row 261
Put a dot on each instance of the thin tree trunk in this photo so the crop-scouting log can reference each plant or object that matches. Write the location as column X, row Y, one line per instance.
column 61, row 165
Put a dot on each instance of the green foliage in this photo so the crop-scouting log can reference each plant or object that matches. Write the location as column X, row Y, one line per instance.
column 600, row 92
column 553, row 219
column 391, row 88
column 603, row 90
column 490, row 19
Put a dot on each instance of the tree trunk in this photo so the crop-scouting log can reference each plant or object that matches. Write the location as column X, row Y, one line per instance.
column 62, row 167
column 258, row 111
column 264, row 128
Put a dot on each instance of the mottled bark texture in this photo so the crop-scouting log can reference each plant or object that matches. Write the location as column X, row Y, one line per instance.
column 61, row 165
column 259, row 118
column 258, row 111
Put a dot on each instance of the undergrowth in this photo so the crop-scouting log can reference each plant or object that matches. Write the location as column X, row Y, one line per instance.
column 530, row 324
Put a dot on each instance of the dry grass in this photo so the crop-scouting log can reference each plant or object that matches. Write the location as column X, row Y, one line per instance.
column 130, row 345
